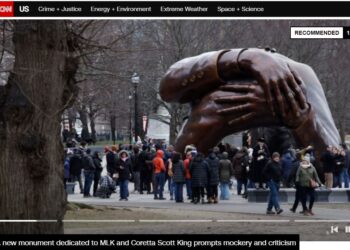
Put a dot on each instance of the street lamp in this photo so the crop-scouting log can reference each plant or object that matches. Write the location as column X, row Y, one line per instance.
column 130, row 126
column 135, row 79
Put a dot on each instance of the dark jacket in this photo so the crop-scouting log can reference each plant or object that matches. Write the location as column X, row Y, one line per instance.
column 88, row 163
column 273, row 171
column 240, row 164
column 261, row 156
column 199, row 171
column 179, row 172
column 225, row 168
column 124, row 168
column 66, row 168
column 287, row 164
column 213, row 162
column 293, row 172
column 97, row 162
column 76, row 165
column 137, row 162
column 328, row 162
column 339, row 164
column 111, row 159
column 347, row 159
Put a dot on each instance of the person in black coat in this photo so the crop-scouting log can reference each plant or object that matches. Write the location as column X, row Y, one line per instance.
column 199, row 172
column 124, row 170
column 137, row 163
column 98, row 170
column 328, row 163
column 76, row 165
column 111, row 158
column 178, row 170
column 146, row 169
column 213, row 178
column 261, row 156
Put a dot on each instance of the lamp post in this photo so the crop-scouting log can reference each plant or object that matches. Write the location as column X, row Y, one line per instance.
column 135, row 79
column 130, row 126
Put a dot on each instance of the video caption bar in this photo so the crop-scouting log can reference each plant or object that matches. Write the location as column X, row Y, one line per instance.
column 173, row 9
column 194, row 241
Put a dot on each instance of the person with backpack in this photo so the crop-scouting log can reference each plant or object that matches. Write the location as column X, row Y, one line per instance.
column 89, row 172
column 98, row 170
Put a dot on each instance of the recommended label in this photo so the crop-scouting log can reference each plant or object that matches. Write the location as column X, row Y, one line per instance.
column 316, row 33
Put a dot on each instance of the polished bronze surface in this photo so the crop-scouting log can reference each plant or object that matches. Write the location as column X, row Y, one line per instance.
column 232, row 91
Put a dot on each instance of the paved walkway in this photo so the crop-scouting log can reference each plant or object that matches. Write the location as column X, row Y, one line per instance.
column 235, row 205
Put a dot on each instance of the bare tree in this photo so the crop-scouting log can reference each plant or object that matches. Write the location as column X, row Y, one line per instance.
column 40, row 86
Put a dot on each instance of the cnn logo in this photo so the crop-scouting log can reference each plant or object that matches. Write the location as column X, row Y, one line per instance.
column 6, row 9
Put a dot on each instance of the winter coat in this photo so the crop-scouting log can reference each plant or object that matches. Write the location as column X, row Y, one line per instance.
column 328, row 162
column 287, row 164
column 76, row 165
column 88, row 163
column 158, row 162
column 293, row 172
column 213, row 162
column 179, row 172
column 66, row 168
column 304, row 175
column 225, row 168
column 124, row 168
column 199, row 171
column 339, row 164
column 111, row 159
column 187, row 163
column 97, row 162
column 240, row 164
column 137, row 162
column 273, row 171
column 260, row 158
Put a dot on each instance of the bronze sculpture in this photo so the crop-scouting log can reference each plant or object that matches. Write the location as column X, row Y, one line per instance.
column 234, row 90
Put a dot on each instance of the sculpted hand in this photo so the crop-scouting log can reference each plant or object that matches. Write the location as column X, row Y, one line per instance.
column 276, row 78
column 249, row 105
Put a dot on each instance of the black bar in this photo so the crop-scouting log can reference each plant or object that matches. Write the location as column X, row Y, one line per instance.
column 209, row 9
column 262, row 241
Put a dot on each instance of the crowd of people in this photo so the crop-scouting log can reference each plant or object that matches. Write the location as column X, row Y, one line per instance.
column 151, row 167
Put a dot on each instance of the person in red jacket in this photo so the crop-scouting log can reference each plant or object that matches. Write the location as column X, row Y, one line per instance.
column 159, row 175
column 187, row 162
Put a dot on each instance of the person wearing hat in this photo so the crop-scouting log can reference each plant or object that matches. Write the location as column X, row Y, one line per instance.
column 307, row 178
column 273, row 173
